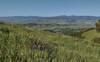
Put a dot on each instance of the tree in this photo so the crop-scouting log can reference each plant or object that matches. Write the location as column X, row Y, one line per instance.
column 98, row 25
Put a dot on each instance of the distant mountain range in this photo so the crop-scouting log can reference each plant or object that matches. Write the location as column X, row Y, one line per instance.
column 55, row 19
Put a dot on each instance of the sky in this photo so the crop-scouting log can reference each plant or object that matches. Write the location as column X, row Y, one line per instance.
column 49, row 7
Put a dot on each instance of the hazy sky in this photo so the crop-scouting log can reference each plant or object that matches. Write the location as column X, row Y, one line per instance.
column 49, row 7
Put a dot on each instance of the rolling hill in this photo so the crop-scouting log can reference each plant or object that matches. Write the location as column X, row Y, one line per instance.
column 91, row 34
column 20, row 44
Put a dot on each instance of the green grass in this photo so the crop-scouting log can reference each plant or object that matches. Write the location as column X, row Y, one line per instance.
column 19, row 44
column 91, row 34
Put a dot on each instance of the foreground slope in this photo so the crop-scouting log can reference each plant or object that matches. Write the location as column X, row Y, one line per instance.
column 20, row 44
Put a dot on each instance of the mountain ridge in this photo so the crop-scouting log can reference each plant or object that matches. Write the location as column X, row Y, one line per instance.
column 61, row 18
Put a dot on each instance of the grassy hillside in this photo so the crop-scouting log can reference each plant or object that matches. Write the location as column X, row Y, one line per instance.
column 91, row 34
column 20, row 44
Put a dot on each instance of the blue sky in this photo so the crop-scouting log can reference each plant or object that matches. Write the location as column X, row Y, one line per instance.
column 49, row 7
